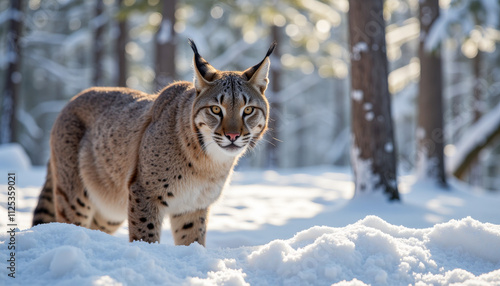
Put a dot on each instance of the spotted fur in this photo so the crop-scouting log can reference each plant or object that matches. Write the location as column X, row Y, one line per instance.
column 118, row 153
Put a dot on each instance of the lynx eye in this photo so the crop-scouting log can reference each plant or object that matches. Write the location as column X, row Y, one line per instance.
column 248, row 110
column 215, row 109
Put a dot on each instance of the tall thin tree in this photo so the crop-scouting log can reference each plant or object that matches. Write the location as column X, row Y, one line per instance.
column 98, row 25
column 121, row 42
column 273, row 158
column 373, row 152
column 474, row 177
column 430, row 128
column 13, row 75
column 165, row 45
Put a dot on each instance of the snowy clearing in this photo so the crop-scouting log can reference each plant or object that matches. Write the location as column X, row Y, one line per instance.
column 370, row 251
column 287, row 227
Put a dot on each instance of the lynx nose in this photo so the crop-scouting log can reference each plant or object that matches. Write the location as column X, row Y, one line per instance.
column 232, row 136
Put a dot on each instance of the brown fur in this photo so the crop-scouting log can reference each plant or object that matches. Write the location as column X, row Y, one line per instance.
column 118, row 153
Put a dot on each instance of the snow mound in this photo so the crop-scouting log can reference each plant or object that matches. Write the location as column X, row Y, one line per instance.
column 13, row 157
column 370, row 251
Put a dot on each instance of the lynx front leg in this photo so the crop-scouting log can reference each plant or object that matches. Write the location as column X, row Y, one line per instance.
column 144, row 216
column 189, row 227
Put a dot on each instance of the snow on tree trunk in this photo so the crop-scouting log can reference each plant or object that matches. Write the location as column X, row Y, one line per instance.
column 275, row 85
column 430, row 135
column 480, row 135
column 165, row 46
column 98, row 24
column 121, row 41
column 373, row 152
column 13, row 75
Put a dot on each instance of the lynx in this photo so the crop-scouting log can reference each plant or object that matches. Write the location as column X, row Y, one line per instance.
column 118, row 153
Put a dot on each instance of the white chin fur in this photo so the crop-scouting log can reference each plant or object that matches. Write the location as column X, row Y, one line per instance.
column 217, row 152
column 222, row 154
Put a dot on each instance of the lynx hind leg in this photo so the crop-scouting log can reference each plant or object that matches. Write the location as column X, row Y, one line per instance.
column 71, row 200
column 72, row 204
column 189, row 227
column 44, row 211
column 101, row 223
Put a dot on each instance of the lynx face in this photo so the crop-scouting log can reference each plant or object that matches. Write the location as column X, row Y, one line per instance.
column 230, row 113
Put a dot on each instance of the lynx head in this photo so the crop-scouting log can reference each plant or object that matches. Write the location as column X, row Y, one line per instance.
column 230, row 112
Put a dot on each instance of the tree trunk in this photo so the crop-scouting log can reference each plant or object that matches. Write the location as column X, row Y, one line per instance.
column 373, row 152
column 478, row 86
column 165, row 46
column 273, row 155
column 121, row 42
column 13, row 75
column 341, row 110
column 474, row 177
column 98, row 25
column 430, row 130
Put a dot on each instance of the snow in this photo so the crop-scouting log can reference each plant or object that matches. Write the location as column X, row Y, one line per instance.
column 284, row 227
column 357, row 49
column 475, row 137
column 367, row 106
column 29, row 123
column 370, row 250
column 357, row 94
column 369, row 116
column 388, row 147
column 10, row 14
column 420, row 133
column 13, row 157
column 363, row 168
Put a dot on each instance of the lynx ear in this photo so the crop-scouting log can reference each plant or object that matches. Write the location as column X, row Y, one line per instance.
column 204, row 73
column 257, row 75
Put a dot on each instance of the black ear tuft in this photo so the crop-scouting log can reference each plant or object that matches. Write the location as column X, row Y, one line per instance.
column 203, row 67
column 204, row 72
column 271, row 48
column 193, row 46
column 248, row 73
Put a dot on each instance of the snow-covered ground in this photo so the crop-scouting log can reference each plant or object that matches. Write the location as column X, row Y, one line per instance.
column 285, row 227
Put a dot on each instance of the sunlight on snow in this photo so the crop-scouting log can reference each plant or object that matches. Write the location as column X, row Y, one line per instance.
column 275, row 198
column 253, row 206
column 442, row 204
